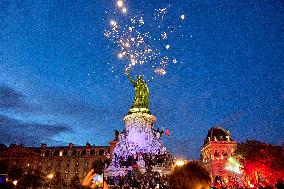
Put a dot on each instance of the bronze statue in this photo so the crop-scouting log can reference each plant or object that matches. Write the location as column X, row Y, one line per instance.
column 141, row 98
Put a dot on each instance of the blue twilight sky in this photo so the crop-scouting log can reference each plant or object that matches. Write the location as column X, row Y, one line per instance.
column 56, row 85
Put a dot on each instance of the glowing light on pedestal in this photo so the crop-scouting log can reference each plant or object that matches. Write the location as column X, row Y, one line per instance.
column 180, row 163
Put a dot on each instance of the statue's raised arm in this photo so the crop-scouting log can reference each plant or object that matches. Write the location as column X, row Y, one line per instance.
column 127, row 72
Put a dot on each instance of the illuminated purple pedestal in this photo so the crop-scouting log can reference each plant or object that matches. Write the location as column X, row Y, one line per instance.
column 136, row 141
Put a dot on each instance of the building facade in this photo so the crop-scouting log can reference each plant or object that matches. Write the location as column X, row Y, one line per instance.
column 69, row 161
column 216, row 154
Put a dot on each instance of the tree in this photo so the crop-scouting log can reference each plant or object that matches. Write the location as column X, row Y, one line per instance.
column 75, row 181
column 3, row 167
column 58, row 182
column 98, row 166
column 262, row 164
column 15, row 172
column 31, row 179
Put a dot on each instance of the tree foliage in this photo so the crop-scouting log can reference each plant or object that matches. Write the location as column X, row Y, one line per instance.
column 58, row 181
column 262, row 164
column 98, row 166
column 31, row 179
column 74, row 183
column 3, row 167
column 15, row 172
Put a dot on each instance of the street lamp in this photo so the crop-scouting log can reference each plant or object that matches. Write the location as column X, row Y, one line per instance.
column 180, row 163
column 15, row 182
column 50, row 177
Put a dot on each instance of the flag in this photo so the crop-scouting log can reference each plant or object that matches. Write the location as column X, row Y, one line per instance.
column 167, row 132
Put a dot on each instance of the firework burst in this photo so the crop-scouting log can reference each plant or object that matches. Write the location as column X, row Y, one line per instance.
column 141, row 40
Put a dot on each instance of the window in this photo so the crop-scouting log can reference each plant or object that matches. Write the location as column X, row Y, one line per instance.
column 216, row 153
column 83, row 153
column 101, row 152
column 65, row 153
column 224, row 153
column 56, row 153
column 92, row 152
column 77, row 164
column 66, row 174
column 47, row 153
column 74, row 152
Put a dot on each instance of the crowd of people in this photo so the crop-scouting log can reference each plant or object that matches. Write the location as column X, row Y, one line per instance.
column 149, row 160
column 134, row 179
column 189, row 176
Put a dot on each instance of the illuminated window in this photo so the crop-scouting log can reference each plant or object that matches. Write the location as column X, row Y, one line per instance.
column 60, row 153
column 77, row 164
column 66, row 174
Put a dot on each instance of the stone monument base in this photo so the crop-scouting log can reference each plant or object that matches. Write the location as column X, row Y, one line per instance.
column 141, row 110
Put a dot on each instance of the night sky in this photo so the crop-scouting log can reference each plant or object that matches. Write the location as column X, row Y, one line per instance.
column 57, row 84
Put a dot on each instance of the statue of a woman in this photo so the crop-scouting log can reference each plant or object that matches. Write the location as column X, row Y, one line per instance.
column 141, row 98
